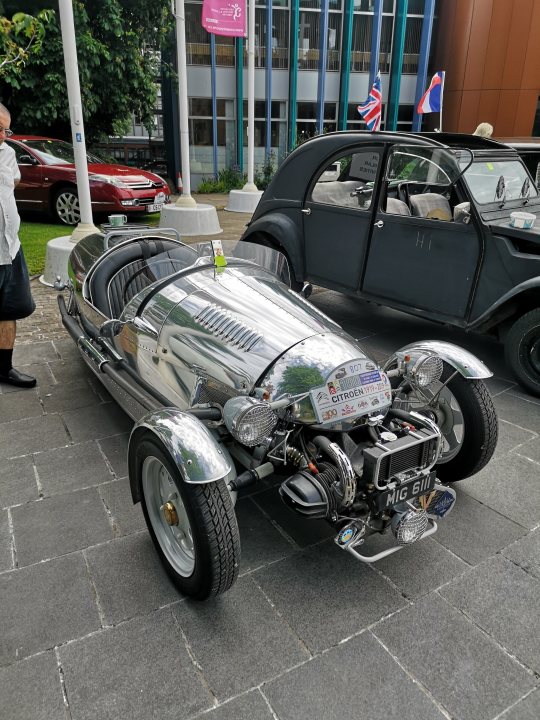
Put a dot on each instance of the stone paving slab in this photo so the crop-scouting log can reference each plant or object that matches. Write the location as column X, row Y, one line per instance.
column 357, row 679
column 59, row 525
column 18, row 482
column 45, row 605
column 128, row 578
column 32, row 435
column 71, row 468
column 100, row 632
column 526, row 553
column 252, row 706
column 325, row 595
column 466, row 671
column 474, row 531
column 526, row 709
column 238, row 640
column 502, row 599
column 31, row 689
column 126, row 518
column 138, row 670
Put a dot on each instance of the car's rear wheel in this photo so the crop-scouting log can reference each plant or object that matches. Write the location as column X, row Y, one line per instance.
column 66, row 206
column 522, row 350
column 193, row 527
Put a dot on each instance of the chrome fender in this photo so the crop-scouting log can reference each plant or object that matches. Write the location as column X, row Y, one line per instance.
column 467, row 364
column 198, row 455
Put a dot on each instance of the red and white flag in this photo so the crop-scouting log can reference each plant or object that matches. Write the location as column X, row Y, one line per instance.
column 225, row 17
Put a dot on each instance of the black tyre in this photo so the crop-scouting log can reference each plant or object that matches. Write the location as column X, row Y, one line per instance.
column 193, row 527
column 65, row 206
column 464, row 411
column 522, row 350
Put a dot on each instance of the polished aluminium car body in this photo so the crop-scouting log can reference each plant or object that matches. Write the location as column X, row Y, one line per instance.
column 49, row 184
column 230, row 376
column 437, row 243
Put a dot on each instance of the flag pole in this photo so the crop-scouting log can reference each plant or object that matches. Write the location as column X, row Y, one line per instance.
column 442, row 96
column 250, row 185
column 185, row 199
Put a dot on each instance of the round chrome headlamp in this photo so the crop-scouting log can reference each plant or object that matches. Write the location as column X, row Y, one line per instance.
column 409, row 526
column 427, row 369
column 249, row 420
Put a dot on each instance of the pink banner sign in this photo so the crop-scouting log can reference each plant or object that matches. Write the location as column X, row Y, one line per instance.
column 225, row 17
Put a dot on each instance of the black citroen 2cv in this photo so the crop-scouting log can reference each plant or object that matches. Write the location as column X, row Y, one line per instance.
column 434, row 224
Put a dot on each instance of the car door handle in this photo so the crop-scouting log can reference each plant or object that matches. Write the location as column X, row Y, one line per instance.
column 379, row 224
column 307, row 211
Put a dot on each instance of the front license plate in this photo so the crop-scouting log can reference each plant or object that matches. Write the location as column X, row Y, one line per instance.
column 408, row 491
column 154, row 208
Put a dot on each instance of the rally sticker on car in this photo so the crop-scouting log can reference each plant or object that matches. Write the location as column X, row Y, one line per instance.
column 355, row 388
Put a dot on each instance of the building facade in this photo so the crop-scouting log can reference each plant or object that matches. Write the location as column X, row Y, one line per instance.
column 315, row 61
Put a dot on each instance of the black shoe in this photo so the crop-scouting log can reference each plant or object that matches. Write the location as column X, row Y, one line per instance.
column 19, row 379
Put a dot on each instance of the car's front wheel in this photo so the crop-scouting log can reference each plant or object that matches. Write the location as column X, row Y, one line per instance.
column 66, row 206
column 466, row 416
column 522, row 350
column 193, row 527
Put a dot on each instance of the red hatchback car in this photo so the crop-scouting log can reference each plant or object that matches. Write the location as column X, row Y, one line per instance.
column 48, row 182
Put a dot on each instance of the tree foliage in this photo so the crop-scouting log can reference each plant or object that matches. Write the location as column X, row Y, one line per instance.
column 118, row 44
column 20, row 36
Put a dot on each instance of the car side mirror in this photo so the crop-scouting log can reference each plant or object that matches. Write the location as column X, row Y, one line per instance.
column 27, row 160
column 306, row 290
column 111, row 328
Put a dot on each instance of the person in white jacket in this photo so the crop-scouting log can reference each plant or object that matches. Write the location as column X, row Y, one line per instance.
column 15, row 296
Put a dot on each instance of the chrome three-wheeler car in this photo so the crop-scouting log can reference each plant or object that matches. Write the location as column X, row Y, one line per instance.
column 431, row 224
column 231, row 376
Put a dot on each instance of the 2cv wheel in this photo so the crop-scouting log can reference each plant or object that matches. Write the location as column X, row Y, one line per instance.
column 522, row 350
column 193, row 527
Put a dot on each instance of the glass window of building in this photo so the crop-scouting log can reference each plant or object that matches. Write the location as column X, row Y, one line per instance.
column 279, row 40
column 361, row 37
column 278, row 131
column 413, row 34
column 201, row 135
column 309, row 35
column 405, row 117
column 306, row 124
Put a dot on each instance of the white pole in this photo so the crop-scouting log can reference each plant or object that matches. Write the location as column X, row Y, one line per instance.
column 250, row 185
column 442, row 96
column 86, row 224
column 185, row 199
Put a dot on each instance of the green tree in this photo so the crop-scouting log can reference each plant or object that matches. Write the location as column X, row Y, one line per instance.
column 20, row 36
column 118, row 51
column 296, row 380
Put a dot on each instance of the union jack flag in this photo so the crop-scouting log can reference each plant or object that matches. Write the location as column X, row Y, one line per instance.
column 372, row 108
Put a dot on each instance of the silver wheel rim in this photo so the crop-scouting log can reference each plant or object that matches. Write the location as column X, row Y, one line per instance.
column 67, row 208
column 447, row 414
column 160, row 493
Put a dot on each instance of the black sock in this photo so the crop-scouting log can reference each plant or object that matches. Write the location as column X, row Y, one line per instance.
column 6, row 357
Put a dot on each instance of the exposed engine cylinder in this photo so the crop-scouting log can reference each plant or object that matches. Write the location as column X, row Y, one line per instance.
column 311, row 495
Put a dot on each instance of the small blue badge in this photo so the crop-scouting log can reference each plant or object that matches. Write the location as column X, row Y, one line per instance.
column 443, row 504
column 78, row 137
column 346, row 535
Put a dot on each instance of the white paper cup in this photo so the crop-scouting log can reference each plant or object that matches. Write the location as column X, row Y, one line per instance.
column 522, row 220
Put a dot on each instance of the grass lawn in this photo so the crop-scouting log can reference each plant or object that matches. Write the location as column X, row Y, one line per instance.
column 34, row 236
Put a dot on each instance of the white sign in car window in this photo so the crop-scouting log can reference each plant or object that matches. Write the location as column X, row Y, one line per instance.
column 364, row 166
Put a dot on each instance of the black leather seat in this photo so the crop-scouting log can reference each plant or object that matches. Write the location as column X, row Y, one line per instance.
column 126, row 271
